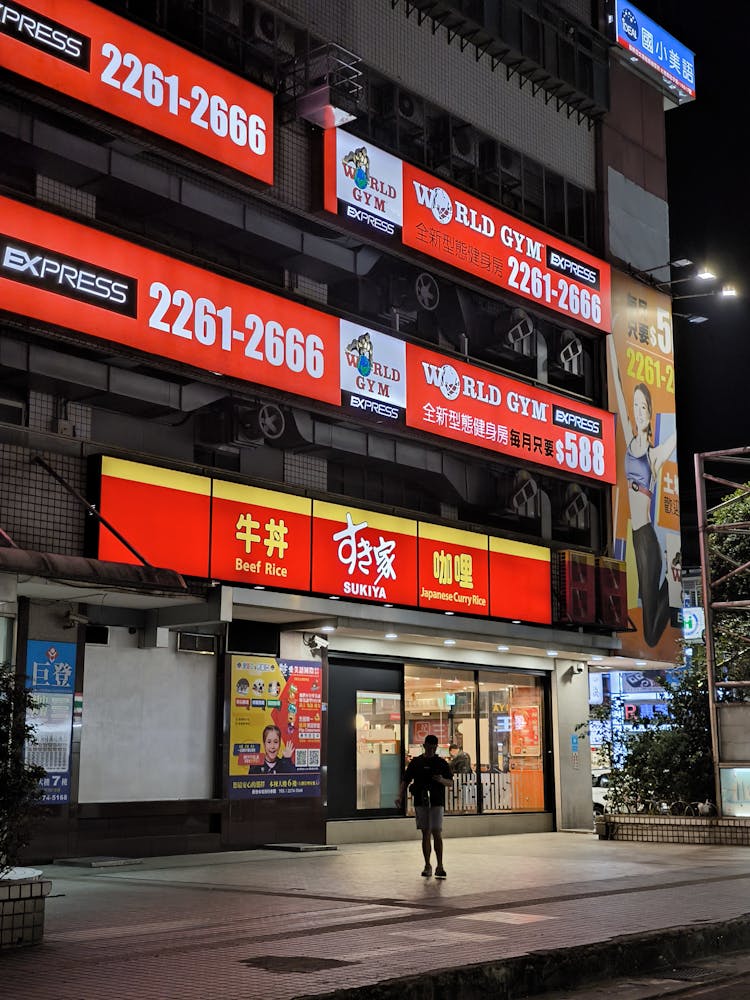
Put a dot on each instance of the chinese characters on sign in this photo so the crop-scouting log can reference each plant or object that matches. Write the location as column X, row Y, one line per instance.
column 266, row 538
column 395, row 200
column 50, row 675
column 647, row 40
column 274, row 727
column 469, row 404
column 645, row 501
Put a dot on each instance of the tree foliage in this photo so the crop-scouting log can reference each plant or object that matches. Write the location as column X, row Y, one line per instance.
column 728, row 536
column 665, row 759
column 20, row 788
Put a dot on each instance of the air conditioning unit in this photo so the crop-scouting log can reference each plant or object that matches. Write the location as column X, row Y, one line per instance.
column 464, row 143
column 574, row 587
column 611, row 593
column 410, row 108
column 195, row 642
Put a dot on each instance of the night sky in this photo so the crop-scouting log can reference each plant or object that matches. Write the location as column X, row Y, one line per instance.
column 709, row 195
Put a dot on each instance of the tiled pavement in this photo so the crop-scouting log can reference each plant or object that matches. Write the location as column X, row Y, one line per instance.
column 271, row 925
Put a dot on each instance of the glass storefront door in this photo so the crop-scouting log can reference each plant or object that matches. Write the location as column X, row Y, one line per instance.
column 378, row 724
column 496, row 718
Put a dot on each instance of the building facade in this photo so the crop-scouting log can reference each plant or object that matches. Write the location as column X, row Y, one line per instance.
column 313, row 321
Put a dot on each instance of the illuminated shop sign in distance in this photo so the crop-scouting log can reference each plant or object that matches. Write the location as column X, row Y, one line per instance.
column 649, row 43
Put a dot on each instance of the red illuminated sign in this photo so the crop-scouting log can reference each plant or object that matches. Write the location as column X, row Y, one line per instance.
column 458, row 229
column 469, row 404
column 259, row 537
column 215, row 529
column 163, row 514
column 520, row 582
column 453, row 570
column 87, row 53
column 361, row 554
column 66, row 274
column 394, row 200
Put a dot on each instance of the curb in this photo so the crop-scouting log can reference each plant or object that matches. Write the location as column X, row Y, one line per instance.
column 559, row 968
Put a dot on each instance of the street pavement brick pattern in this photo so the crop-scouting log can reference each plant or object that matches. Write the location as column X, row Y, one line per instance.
column 272, row 925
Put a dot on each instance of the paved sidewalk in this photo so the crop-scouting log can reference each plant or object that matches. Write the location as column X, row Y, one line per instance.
column 272, row 925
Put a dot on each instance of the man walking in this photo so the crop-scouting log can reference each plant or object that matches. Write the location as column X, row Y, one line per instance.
column 429, row 776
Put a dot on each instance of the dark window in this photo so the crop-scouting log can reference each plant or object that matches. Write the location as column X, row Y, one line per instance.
column 554, row 196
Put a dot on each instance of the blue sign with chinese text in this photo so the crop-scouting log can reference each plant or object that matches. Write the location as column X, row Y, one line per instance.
column 656, row 47
column 50, row 674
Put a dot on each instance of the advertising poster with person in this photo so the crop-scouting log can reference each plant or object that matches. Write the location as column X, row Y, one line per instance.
column 274, row 727
column 50, row 674
column 645, row 500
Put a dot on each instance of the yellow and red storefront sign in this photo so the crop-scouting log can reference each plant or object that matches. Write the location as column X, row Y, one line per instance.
column 164, row 515
column 259, row 537
column 218, row 530
column 363, row 554
column 520, row 581
column 470, row 404
column 453, row 570
column 67, row 274
column 85, row 52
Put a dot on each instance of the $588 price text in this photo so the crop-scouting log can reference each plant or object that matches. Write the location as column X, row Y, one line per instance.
column 580, row 453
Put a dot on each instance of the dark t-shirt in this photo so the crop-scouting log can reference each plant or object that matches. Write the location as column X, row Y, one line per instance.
column 283, row 766
column 460, row 763
column 419, row 772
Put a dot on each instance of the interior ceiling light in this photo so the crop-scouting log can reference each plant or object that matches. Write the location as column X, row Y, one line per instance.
column 391, row 635
column 552, row 652
column 503, row 649
column 328, row 628
column 449, row 642
column 697, row 319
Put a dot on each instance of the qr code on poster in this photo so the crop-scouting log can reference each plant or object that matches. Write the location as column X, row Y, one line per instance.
column 308, row 758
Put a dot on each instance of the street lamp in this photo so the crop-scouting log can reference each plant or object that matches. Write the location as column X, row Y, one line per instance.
column 726, row 291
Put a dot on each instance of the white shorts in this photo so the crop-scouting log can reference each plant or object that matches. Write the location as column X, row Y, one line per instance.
column 429, row 818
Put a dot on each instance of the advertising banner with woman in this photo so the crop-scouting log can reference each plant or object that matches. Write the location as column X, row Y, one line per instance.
column 645, row 500
column 274, row 727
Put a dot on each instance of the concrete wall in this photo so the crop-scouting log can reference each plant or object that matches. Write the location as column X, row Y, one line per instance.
column 570, row 708
column 148, row 722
